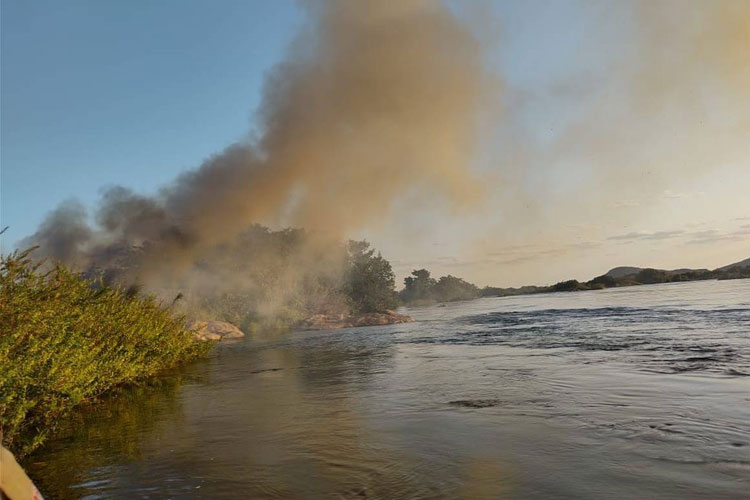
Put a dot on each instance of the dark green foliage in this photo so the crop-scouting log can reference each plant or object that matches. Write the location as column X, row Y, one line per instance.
column 65, row 340
column 421, row 288
column 628, row 276
column 369, row 281
column 733, row 273
column 624, row 277
column 568, row 286
column 649, row 276
column 418, row 287
column 605, row 281
column 491, row 291
column 449, row 289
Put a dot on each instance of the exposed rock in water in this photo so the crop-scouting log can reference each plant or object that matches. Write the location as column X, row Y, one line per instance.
column 333, row 321
column 214, row 330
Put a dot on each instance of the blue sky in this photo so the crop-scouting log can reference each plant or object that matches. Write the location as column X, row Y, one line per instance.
column 135, row 92
column 100, row 93
column 132, row 93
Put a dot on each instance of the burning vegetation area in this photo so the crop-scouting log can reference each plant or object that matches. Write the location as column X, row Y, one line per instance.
column 349, row 122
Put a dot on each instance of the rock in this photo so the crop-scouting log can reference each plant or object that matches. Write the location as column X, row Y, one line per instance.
column 334, row 321
column 382, row 318
column 214, row 330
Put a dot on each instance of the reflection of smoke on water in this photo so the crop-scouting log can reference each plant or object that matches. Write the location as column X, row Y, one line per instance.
column 286, row 420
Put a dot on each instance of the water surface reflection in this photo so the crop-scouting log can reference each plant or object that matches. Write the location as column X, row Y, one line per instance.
column 490, row 399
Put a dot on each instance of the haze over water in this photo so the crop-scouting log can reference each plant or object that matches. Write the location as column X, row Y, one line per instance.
column 640, row 392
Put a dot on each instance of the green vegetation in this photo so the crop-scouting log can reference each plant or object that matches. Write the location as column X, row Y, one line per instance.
column 629, row 276
column 369, row 281
column 66, row 340
column 449, row 289
column 650, row 276
column 492, row 291
column 568, row 286
column 420, row 288
column 266, row 279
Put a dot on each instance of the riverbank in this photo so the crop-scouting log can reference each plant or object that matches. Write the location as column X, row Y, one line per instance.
column 624, row 276
column 64, row 342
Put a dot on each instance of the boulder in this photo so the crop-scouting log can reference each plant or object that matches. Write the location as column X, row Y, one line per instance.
column 334, row 321
column 214, row 330
column 379, row 318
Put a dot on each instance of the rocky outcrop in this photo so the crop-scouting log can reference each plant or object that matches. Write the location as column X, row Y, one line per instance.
column 214, row 330
column 334, row 321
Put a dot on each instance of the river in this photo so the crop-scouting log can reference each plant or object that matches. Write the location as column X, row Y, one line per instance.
column 629, row 393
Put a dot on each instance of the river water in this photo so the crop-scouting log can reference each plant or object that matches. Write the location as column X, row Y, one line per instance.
column 630, row 393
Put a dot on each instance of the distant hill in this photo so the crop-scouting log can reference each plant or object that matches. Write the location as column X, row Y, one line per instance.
column 631, row 276
column 686, row 270
column 623, row 271
column 742, row 263
column 619, row 272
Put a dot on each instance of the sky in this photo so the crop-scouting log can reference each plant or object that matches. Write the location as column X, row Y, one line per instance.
column 617, row 135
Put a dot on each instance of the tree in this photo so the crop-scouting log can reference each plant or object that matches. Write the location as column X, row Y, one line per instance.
column 449, row 288
column 369, row 282
column 418, row 287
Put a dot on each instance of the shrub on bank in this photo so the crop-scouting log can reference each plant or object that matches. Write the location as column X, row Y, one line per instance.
column 65, row 340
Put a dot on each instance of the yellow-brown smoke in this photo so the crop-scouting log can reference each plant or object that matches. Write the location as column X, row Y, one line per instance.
column 374, row 100
column 677, row 100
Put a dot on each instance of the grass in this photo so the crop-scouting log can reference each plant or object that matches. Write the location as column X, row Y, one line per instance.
column 65, row 341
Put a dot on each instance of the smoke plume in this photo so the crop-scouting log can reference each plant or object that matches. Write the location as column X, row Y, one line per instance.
column 373, row 100
column 676, row 102
column 377, row 100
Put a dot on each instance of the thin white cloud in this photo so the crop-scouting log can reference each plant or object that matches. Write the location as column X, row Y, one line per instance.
column 713, row 236
column 645, row 235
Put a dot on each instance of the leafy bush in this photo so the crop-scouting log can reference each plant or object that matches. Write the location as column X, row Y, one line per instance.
column 65, row 340
column 418, row 287
column 369, row 280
